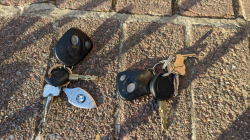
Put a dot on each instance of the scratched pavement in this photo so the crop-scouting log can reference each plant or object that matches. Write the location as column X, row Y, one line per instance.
column 213, row 101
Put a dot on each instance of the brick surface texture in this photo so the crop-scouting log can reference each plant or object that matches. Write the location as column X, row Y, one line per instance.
column 213, row 100
column 245, row 4
column 93, row 5
column 77, row 123
column 20, row 2
column 221, row 82
column 207, row 8
column 161, row 7
column 24, row 54
column 146, row 44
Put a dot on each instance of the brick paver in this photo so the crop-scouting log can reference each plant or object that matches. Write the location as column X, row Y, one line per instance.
column 207, row 8
column 245, row 4
column 213, row 100
column 24, row 53
column 93, row 5
column 221, row 82
column 161, row 7
column 76, row 123
column 20, row 2
column 148, row 43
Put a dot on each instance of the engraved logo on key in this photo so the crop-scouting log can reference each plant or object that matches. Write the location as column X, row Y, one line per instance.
column 80, row 98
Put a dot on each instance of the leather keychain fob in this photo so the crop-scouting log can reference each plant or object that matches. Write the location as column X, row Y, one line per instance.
column 133, row 84
column 73, row 46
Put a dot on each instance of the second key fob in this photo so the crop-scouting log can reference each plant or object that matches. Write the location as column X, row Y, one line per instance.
column 133, row 84
column 73, row 46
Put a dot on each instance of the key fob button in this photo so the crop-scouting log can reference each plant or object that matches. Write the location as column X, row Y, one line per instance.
column 130, row 87
column 122, row 78
column 133, row 84
column 75, row 40
column 87, row 44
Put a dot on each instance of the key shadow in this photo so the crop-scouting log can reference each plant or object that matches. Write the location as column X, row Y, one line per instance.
column 18, row 118
column 10, row 83
column 16, row 36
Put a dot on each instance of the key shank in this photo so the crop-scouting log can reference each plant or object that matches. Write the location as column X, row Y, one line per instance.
column 48, row 107
column 162, row 109
column 75, row 77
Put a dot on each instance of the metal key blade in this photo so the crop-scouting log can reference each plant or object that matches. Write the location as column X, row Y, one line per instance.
column 162, row 108
column 48, row 107
column 76, row 77
column 80, row 98
column 176, row 83
column 188, row 55
column 49, row 91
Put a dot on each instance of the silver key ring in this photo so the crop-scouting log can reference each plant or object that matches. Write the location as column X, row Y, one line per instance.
column 166, row 74
column 166, row 62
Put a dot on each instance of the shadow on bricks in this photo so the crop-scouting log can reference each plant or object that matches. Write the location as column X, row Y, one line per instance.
column 237, row 38
column 18, row 65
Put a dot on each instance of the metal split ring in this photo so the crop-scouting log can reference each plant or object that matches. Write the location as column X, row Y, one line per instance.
column 165, row 64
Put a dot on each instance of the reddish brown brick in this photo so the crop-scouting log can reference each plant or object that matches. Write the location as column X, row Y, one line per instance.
column 70, row 122
column 245, row 4
column 24, row 54
column 207, row 8
column 89, row 5
column 221, row 82
column 20, row 2
column 147, row 44
column 162, row 7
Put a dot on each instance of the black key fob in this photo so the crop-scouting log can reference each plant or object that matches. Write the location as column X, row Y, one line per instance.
column 73, row 46
column 133, row 84
column 161, row 87
column 59, row 77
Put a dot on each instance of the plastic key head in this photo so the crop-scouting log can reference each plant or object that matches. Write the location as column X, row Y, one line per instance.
column 80, row 98
column 161, row 87
column 51, row 90
column 133, row 84
column 58, row 77
column 73, row 46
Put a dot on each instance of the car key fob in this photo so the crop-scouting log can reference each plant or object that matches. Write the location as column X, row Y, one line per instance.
column 161, row 87
column 73, row 46
column 133, row 84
